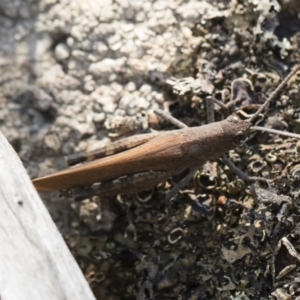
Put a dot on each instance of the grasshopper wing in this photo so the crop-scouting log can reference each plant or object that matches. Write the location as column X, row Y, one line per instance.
column 159, row 153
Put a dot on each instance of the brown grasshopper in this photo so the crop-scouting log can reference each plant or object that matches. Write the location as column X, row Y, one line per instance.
column 141, row 162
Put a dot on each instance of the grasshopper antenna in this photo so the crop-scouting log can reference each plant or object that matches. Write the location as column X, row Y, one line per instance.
column 273, row 94
column 271, row 97
column 279, row 132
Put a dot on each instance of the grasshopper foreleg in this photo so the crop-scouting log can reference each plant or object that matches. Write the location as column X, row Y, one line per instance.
column 130, row 184
column 237, row 171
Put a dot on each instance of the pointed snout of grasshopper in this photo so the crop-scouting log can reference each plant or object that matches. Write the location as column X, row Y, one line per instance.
column 236, row 129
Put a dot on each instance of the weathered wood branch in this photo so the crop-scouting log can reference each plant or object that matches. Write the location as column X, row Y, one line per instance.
column 35, row 262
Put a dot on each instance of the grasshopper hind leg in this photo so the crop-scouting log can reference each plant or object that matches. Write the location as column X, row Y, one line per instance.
column 130, row 184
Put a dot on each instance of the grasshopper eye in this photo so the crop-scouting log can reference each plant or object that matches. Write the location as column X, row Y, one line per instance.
column 240, row 138
column 234, row 119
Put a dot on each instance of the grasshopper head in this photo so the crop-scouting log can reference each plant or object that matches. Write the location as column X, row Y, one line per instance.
column 236, row 129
